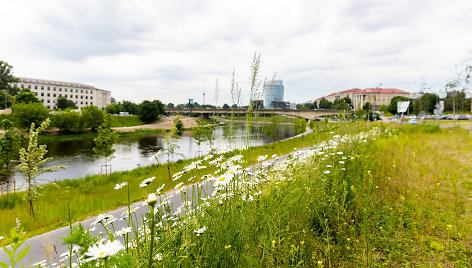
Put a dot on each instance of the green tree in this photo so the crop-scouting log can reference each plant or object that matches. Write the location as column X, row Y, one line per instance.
column 383, row 108
column 299, row 126
column 150, row 110
column 325, row 104
column 31, row 160
column 6, row 100
column 130, row 107
column 26, row 96
column 6, row 77
column 103, row 143
column 115, row 108
column 10, row 144
column 93, row 117
column 64, row 103
column 226, row 106
column 342, row 104
column 170, row 105
column 426, row 103
column 392, row 107
column 24, row 114
column 367, row 106
column 179, row 126
column 200, row 134
column 68, row 121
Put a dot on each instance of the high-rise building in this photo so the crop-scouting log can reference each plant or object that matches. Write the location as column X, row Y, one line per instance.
column 273, row 91
column 48, row 91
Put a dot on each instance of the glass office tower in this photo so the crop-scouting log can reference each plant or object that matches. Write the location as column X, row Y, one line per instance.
column 273, row 91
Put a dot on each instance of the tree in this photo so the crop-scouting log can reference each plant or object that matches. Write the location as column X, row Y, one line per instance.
column 179, row 126
column 383, row 108
column 93, row 117
column 199, row 134
column 6, row 77
column 103, row 143
column 325, row 104
column 367, row 106
column 392, row 107
column 31, row 160
column 225, row 106
column 130, row 107
column 10, row 144
column 64, row 103
column 170, row 105
column 115, row 108
column 299, row 126
column 426, row 103
column 24, row 114
column 150, row 110
column 26, row 96
column 68, row 121
column 5, row 101
column 342, row 104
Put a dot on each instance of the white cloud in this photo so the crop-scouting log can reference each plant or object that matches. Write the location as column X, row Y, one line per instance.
column 174, row 50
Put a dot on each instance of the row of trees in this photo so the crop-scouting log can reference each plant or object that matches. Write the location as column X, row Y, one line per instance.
column 339, row 104
column 148, row 111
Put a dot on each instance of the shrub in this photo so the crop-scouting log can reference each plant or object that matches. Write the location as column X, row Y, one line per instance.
column 26, row 113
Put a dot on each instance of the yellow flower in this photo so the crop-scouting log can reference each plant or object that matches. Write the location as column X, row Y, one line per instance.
column 228, row 246
column 302, row 242
column 273, row 243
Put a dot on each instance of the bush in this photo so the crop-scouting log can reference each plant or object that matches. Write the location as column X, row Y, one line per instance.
column 26, row 113
column 150, row 110
column 68, row 121
column 93, row 117
column 299, row 126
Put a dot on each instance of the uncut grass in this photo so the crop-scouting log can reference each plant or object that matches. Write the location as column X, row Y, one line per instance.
column 402, row 201
column 94, row 194
column 125, row 121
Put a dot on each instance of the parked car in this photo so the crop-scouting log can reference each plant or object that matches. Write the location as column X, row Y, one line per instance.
column 395, row 120
column 412, row 122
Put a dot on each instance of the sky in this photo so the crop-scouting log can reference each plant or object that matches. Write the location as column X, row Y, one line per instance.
column 174, row 50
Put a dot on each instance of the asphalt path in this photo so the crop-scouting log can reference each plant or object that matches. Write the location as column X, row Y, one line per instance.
column 50, row 245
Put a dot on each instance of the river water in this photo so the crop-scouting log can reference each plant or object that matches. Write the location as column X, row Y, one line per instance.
column 134, row 151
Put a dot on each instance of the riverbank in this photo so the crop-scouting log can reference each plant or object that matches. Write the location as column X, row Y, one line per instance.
column 93, row 194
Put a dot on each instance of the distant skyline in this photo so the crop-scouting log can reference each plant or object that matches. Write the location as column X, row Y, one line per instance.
column 175, row 50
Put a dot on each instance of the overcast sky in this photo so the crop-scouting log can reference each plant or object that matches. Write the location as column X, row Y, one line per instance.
column 174, row 50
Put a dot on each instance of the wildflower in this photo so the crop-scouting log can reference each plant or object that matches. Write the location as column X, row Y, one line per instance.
column 328, row 166
column 1, row 237
column 124, row 231
column 101, row 250
column 274, row 155
column 340, row 153
column 157, row 257
column 152, row 199
column 261, row 158
column 273, row 243
column 341, row 162
column 327, row 172
column 120, row 185
column 146, row 182
column 227, row 246
column 102, row 217
column 178, row 186
column 200, row 231
column 208, row 157
column 224, row 179
column 158, row 191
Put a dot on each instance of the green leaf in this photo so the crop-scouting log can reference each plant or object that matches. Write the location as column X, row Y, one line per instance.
column 2, row 264
column 7, row 251
column 22, row 254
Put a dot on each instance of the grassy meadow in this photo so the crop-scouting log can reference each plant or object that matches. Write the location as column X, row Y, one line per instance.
column 94, row 194
column 387, row 197
column 125, row 121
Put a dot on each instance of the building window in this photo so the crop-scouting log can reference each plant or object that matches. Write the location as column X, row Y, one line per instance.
column 35, row 87
column 60, row 89
column 91, row 97
column 22, row 86
column 49, row 95
column 42, row 94
column 36, row 93
column 86, row 103
column 29, row 86
column 49, row 88
column 81, row 103
column 86, row 91
column 54, row 101
column 76, row 96
column 65, row 89
column 82, row 97
column 86, row 97
column 42, row 87
column 54, row 88
column 81, row 91
column 49, row 101
column 49, row 107
column 54, row 95
column 76, row 91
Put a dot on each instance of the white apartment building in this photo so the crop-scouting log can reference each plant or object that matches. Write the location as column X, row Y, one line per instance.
column 82, row 95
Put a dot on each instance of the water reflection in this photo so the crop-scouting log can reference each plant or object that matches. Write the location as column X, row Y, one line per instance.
column 135, row 150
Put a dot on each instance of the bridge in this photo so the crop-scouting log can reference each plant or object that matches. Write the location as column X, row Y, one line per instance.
column 308, row 114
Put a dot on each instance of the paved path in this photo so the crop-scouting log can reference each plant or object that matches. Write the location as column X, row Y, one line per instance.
column 50, row 245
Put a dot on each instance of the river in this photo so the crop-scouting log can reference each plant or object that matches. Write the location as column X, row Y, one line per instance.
column 132, row 151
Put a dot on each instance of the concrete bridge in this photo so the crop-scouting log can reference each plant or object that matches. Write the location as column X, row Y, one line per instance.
column 308, row 114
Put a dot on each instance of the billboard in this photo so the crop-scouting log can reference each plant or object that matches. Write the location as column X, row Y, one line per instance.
column 402, row 106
